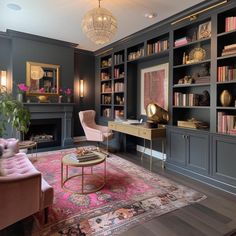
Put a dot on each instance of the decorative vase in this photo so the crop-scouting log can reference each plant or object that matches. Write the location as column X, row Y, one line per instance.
column 60, row 99
column 20, row 97
column 225, row 98
column 69, row 99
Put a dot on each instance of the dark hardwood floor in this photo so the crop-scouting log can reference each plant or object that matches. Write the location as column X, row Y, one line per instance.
column 214, row 216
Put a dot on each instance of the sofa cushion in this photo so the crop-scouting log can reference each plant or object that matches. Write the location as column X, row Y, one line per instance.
column 10, row 147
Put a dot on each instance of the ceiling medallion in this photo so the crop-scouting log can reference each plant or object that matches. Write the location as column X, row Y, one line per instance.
column 99, row 25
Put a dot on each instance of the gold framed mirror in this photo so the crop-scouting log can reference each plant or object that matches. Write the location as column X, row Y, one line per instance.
column 42, row 79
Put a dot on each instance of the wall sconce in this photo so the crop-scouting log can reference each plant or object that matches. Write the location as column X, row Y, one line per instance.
column 81, row 88
column 3, row 80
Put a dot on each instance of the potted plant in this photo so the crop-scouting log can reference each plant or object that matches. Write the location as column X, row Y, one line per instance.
column 22, row 89
column 68, row 93
column 14, row 113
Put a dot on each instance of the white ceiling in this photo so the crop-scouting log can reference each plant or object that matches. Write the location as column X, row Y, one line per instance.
column 61, row 19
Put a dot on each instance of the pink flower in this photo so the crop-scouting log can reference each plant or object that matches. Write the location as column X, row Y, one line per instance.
column 22, row 88
column 42, row 90
column 68, row 92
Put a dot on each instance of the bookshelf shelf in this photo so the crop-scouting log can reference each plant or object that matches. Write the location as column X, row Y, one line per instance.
column 192, row 64
column 197, row 42
column 190, row 85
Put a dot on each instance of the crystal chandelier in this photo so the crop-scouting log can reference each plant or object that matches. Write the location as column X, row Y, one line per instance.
column 99, row 25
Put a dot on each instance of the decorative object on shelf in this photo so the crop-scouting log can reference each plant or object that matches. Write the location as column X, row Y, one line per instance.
column 22, row 89
column 225, row 98
column 3, row 81
column 156, row 115
column 154, row 86
column 42, row 98
column 204, row 99
column 36, row 72
column 196, row 55
column 192, row 123
column 99, row 25
column 204, row 30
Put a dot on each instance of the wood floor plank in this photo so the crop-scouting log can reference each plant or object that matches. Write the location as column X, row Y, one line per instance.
column 179, row 226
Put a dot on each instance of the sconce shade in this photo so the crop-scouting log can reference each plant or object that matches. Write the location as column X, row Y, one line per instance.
column 3, row 80
column 99, row 25
column 81, row 88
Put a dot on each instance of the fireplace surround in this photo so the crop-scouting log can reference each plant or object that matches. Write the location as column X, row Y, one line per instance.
column 50, row 111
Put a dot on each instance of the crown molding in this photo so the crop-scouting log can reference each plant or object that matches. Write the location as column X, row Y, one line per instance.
column 17, row 34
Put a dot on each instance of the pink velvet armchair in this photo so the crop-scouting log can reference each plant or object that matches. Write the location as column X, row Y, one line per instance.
column 94, row 132
column 23, row 191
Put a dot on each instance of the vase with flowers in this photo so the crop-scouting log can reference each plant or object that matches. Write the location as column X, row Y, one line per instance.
column 22, row 89
column 60, row 95
column 68, row 93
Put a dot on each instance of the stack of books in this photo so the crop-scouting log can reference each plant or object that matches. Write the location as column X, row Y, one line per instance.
column 229, row 49
column 226, row 73
column 194, row 124
column 226, row 123
column 82, row 158
column 182, row 41
column 230, row 23
column 202, row 80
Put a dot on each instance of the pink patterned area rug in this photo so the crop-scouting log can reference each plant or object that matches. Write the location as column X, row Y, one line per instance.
column 131, row 196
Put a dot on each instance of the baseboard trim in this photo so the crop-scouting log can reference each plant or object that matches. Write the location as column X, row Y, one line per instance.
column 155, row 153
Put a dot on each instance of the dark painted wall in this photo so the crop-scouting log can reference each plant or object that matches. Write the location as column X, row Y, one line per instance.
column 18, row 48
column 85, row 70
column 5, row 54
column 29, row 50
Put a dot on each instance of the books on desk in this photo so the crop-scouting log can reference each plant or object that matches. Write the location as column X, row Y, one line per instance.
column 130, row 122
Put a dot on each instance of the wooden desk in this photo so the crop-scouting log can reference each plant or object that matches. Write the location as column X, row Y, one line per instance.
column 141, row 132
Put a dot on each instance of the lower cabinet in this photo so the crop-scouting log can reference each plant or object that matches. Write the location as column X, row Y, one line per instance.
column 224, row 158
column 202, row 155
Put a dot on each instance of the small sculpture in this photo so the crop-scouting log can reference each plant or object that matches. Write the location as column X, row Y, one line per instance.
column 204, row 99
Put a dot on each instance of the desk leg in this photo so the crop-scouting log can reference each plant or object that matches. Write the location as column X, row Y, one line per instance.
column 150, row 155
column 144, row 149
column 163, row 150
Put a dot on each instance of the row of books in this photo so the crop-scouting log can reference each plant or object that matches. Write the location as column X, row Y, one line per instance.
column 118, row 73
column 104, row 76
column 156, row 47
column 119, row 87
column 182, row 99
column 118, row 59
column 226, row 123
column 229, row 49
column 182, row 41
column 226, row 73
column 136, row 54
column 230, row 23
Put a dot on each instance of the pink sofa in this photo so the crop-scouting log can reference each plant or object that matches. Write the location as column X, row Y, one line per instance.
column 23, row 191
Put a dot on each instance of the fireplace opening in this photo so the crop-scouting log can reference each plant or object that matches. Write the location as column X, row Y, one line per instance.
column 46, row 132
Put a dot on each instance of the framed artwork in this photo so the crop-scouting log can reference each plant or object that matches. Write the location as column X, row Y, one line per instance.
column 204, row 30
column 154, row 86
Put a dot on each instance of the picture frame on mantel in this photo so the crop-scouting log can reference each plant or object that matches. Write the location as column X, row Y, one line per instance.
column 154, row 86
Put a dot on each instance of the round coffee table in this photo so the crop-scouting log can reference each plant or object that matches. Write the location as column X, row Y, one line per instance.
column 70, row 160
